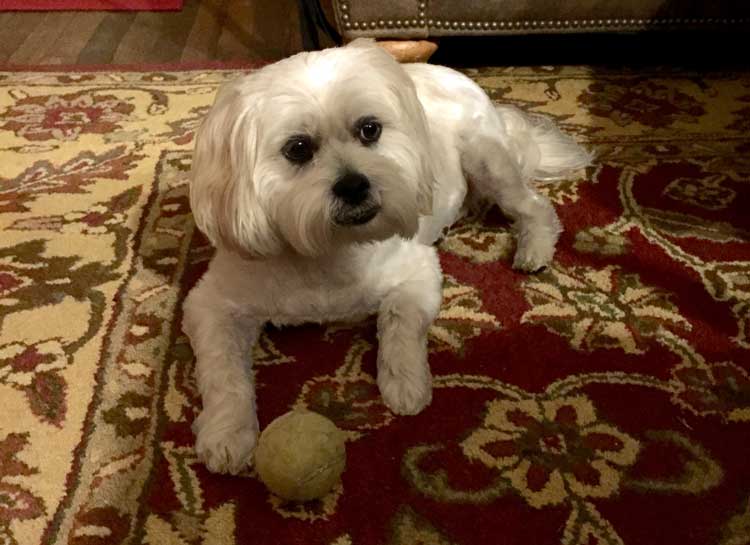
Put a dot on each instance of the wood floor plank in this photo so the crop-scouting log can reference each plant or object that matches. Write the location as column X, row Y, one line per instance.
column 273, row 26
column 236, row 40
column 140, row 38
column 101, row 47
column 15, row 30
column 259, row 30
column 173, row 33
column 69, row 45
column 4, row 16
column 34, row 49
column 204, row 35
column 204, row 30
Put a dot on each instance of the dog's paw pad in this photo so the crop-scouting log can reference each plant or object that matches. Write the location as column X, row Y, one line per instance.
column 406, row 395
column 533, row 257
column 226, row 449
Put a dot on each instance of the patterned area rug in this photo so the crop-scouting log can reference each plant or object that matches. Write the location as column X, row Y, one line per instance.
column 606, row 400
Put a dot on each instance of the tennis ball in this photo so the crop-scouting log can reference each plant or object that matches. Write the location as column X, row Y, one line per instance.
column 300, row 456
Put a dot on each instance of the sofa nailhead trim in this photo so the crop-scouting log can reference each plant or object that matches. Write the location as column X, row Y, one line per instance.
column 422, row 22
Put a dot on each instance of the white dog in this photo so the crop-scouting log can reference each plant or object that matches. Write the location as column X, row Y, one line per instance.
column 323, row 180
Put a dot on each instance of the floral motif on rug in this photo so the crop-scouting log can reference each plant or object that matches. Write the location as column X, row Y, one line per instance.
column 605, row 400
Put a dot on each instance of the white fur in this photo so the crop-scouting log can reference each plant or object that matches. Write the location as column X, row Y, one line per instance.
column 281, row 257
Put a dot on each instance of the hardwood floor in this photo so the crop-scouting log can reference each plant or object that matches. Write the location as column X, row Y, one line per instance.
column 205, row 30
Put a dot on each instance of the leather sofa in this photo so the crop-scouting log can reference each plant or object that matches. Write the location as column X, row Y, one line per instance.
column 425, row 19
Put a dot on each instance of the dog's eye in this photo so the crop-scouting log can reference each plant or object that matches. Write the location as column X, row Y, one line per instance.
column 369, row 131
column 299, row 149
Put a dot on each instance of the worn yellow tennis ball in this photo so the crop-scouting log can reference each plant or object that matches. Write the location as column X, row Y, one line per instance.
column 300, row 456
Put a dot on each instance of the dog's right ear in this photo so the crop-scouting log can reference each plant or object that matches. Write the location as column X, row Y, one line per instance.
column 222, row 193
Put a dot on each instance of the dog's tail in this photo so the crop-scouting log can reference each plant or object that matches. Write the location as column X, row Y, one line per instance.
column 543, row 150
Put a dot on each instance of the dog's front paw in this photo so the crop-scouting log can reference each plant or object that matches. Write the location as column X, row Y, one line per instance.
column 406, row 391
column 225, row 446
column 534, row 253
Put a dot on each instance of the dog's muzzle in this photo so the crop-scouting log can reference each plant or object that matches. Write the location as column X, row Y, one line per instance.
column 355, row 203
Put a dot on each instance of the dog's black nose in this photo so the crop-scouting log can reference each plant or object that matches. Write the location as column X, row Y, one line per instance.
column 352, row 188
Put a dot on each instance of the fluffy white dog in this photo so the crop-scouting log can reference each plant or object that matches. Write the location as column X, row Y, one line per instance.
column 323, row 180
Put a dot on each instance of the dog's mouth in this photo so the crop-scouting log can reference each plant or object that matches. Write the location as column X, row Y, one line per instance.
column 360, row 215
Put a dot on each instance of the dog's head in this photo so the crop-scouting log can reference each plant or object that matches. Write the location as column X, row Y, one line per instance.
column 311, row 153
